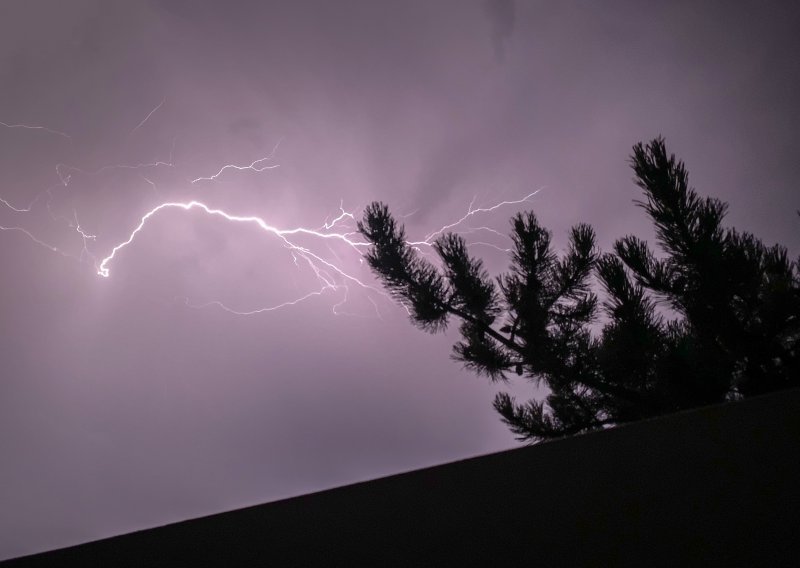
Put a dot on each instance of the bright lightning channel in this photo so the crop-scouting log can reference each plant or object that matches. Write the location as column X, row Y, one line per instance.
column 319, row 265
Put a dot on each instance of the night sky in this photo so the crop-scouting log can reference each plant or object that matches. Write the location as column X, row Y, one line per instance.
column 143, row 398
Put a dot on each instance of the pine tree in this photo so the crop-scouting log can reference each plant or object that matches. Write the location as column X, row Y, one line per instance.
column 737, row 303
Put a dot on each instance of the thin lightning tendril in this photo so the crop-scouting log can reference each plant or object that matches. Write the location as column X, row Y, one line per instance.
column 470, row 212
column 32, row 237
column 146, row 118
column 34, row 127
column 256, row 166
column 20, row 209
column 342, row 215
column 67, row 177
column 256, row 311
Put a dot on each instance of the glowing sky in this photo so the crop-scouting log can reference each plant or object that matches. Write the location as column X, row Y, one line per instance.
column 148, row 397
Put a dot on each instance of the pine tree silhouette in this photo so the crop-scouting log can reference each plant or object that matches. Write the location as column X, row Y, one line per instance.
column 737, row 303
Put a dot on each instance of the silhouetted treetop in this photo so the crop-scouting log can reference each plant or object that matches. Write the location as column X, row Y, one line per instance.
column 737, row 303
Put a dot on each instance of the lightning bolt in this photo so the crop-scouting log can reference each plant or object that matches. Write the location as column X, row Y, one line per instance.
column 323, row 269
column 32, row 237
column 256, row 311
column 29, row 208
column 342, row 215
column 34, row 127
column 67, row 177
column 256, row 166
column 329, row 269
column 151, row 183
column 21, row 209
column 84, row 236
column 103, row 269
column 472, row 212
column 146, row 118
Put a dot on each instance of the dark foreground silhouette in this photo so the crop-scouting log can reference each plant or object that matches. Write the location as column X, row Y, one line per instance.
column 716, row 486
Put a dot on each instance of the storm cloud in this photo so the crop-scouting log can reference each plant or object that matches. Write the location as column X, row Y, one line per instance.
column 123, row 407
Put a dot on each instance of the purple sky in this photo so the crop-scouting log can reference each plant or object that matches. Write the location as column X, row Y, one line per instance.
column 122, row 408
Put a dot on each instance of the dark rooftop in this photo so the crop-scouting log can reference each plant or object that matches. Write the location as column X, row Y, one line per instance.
column 714, row 486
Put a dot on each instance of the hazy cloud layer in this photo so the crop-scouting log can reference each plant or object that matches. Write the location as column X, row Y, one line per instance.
column 121, row 407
